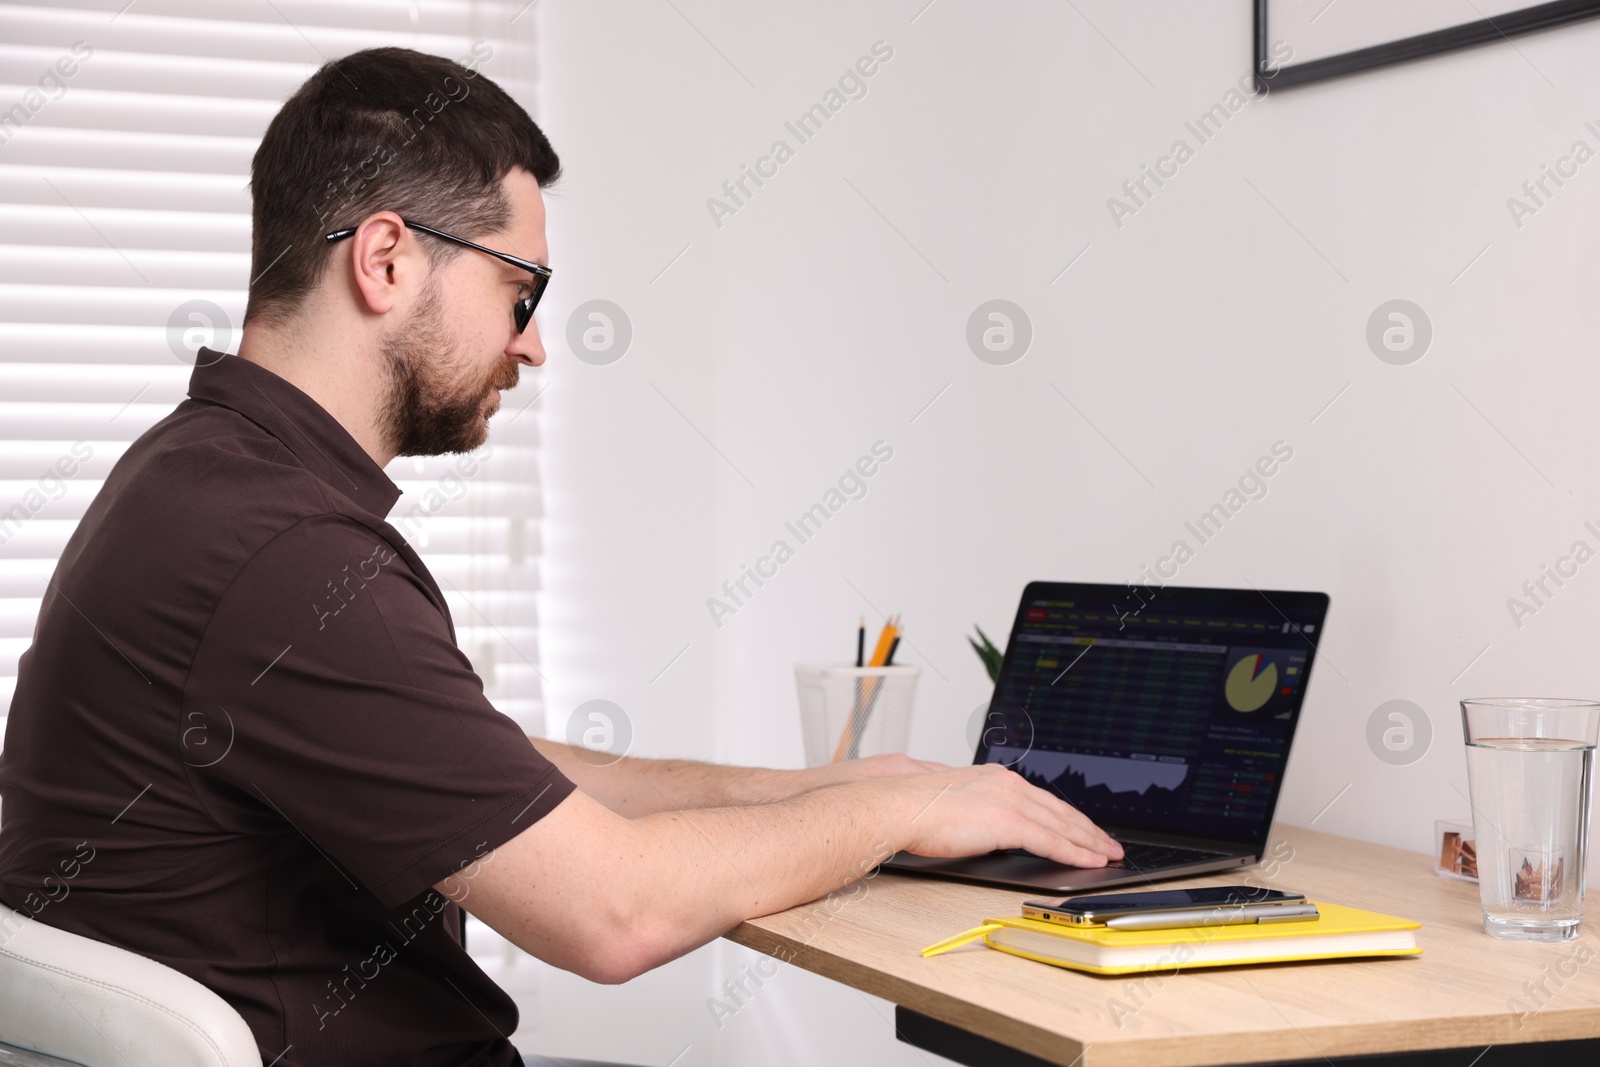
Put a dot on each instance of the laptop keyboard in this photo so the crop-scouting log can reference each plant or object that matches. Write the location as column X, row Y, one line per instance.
column 1138, row 856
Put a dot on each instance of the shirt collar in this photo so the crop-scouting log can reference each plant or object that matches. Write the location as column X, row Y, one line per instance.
column 315, row 437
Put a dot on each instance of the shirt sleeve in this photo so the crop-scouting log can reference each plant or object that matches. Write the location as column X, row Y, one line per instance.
column 328, row 698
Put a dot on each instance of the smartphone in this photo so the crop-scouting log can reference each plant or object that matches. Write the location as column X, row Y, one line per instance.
column 1183, row 906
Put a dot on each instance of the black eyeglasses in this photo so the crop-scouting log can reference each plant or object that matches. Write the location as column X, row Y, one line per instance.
column 522, row 311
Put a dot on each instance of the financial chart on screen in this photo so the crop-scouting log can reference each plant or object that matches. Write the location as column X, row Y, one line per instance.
column 1176, row 717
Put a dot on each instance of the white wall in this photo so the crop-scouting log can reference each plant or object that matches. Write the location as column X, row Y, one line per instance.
column 1223, row 316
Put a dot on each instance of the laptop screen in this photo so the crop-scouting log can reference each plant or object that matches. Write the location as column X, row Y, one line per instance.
column 1159, row 709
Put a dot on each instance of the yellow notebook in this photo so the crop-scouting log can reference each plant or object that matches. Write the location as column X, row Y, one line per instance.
column 1338, row 933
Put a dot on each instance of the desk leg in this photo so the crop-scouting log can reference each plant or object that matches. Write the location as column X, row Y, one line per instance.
column 954, row 1043
column 965, row 1047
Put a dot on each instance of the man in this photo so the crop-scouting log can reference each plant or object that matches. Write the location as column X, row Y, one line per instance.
column 244, row 721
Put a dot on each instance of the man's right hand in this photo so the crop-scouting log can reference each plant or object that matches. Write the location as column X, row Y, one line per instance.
column 610, row 897
column 967, row 811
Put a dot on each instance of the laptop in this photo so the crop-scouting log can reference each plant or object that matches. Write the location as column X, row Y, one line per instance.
column 1162, row 713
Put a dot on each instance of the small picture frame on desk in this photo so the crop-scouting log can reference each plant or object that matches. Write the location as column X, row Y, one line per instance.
column 1456, row 850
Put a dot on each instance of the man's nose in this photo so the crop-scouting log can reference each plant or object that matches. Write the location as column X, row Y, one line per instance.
column 527, row 346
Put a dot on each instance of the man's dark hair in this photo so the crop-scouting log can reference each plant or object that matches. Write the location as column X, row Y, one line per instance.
column 387, row 129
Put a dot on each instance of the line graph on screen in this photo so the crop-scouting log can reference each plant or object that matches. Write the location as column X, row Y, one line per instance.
column 1072, row 772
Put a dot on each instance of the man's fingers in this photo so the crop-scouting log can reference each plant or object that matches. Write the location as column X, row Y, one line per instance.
column 1098, row 838
column 1046, row 810
column 1054, row 846
column 1071, row 823
column 1000, row 809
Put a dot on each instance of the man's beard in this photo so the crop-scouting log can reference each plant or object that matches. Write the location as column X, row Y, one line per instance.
column 428, row 411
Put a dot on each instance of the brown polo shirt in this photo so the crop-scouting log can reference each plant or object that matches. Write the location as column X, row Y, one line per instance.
column 244, row 743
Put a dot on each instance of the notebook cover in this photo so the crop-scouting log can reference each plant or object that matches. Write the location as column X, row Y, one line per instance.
column 1334, row 920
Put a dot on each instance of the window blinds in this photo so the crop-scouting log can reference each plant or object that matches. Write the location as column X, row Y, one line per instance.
column 126, row 132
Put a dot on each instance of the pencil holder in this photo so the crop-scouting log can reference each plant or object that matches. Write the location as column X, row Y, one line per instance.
column 849, row 712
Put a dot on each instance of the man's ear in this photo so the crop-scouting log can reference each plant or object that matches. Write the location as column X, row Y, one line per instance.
column 384, row 261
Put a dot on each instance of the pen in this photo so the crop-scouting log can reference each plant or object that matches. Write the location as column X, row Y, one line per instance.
column 1192, row 917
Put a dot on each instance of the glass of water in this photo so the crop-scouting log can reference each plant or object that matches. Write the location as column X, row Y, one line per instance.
column 1530, row 762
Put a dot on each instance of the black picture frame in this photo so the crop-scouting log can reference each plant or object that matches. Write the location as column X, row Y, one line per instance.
column 1483, row 31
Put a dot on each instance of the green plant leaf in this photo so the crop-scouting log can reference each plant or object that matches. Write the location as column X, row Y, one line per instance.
column 991, row 656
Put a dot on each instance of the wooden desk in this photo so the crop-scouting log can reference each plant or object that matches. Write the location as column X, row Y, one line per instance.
column 1461, row 992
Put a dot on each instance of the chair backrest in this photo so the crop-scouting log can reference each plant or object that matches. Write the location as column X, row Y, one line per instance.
column 101, row 1006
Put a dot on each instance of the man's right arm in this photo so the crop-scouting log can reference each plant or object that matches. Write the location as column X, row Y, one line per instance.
column 609, row 897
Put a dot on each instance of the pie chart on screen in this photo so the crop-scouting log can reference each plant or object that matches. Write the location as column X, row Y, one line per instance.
column 1250, row 683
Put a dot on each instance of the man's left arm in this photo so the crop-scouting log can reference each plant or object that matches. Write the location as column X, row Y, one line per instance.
column 632, row 786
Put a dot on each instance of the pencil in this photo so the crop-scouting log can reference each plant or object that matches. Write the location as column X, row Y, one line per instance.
column 871, row 702
column 850, row 739
column 885, row 639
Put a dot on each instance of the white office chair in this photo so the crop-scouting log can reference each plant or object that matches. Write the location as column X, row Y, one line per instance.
column 66, row 999
column 70, row 1001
